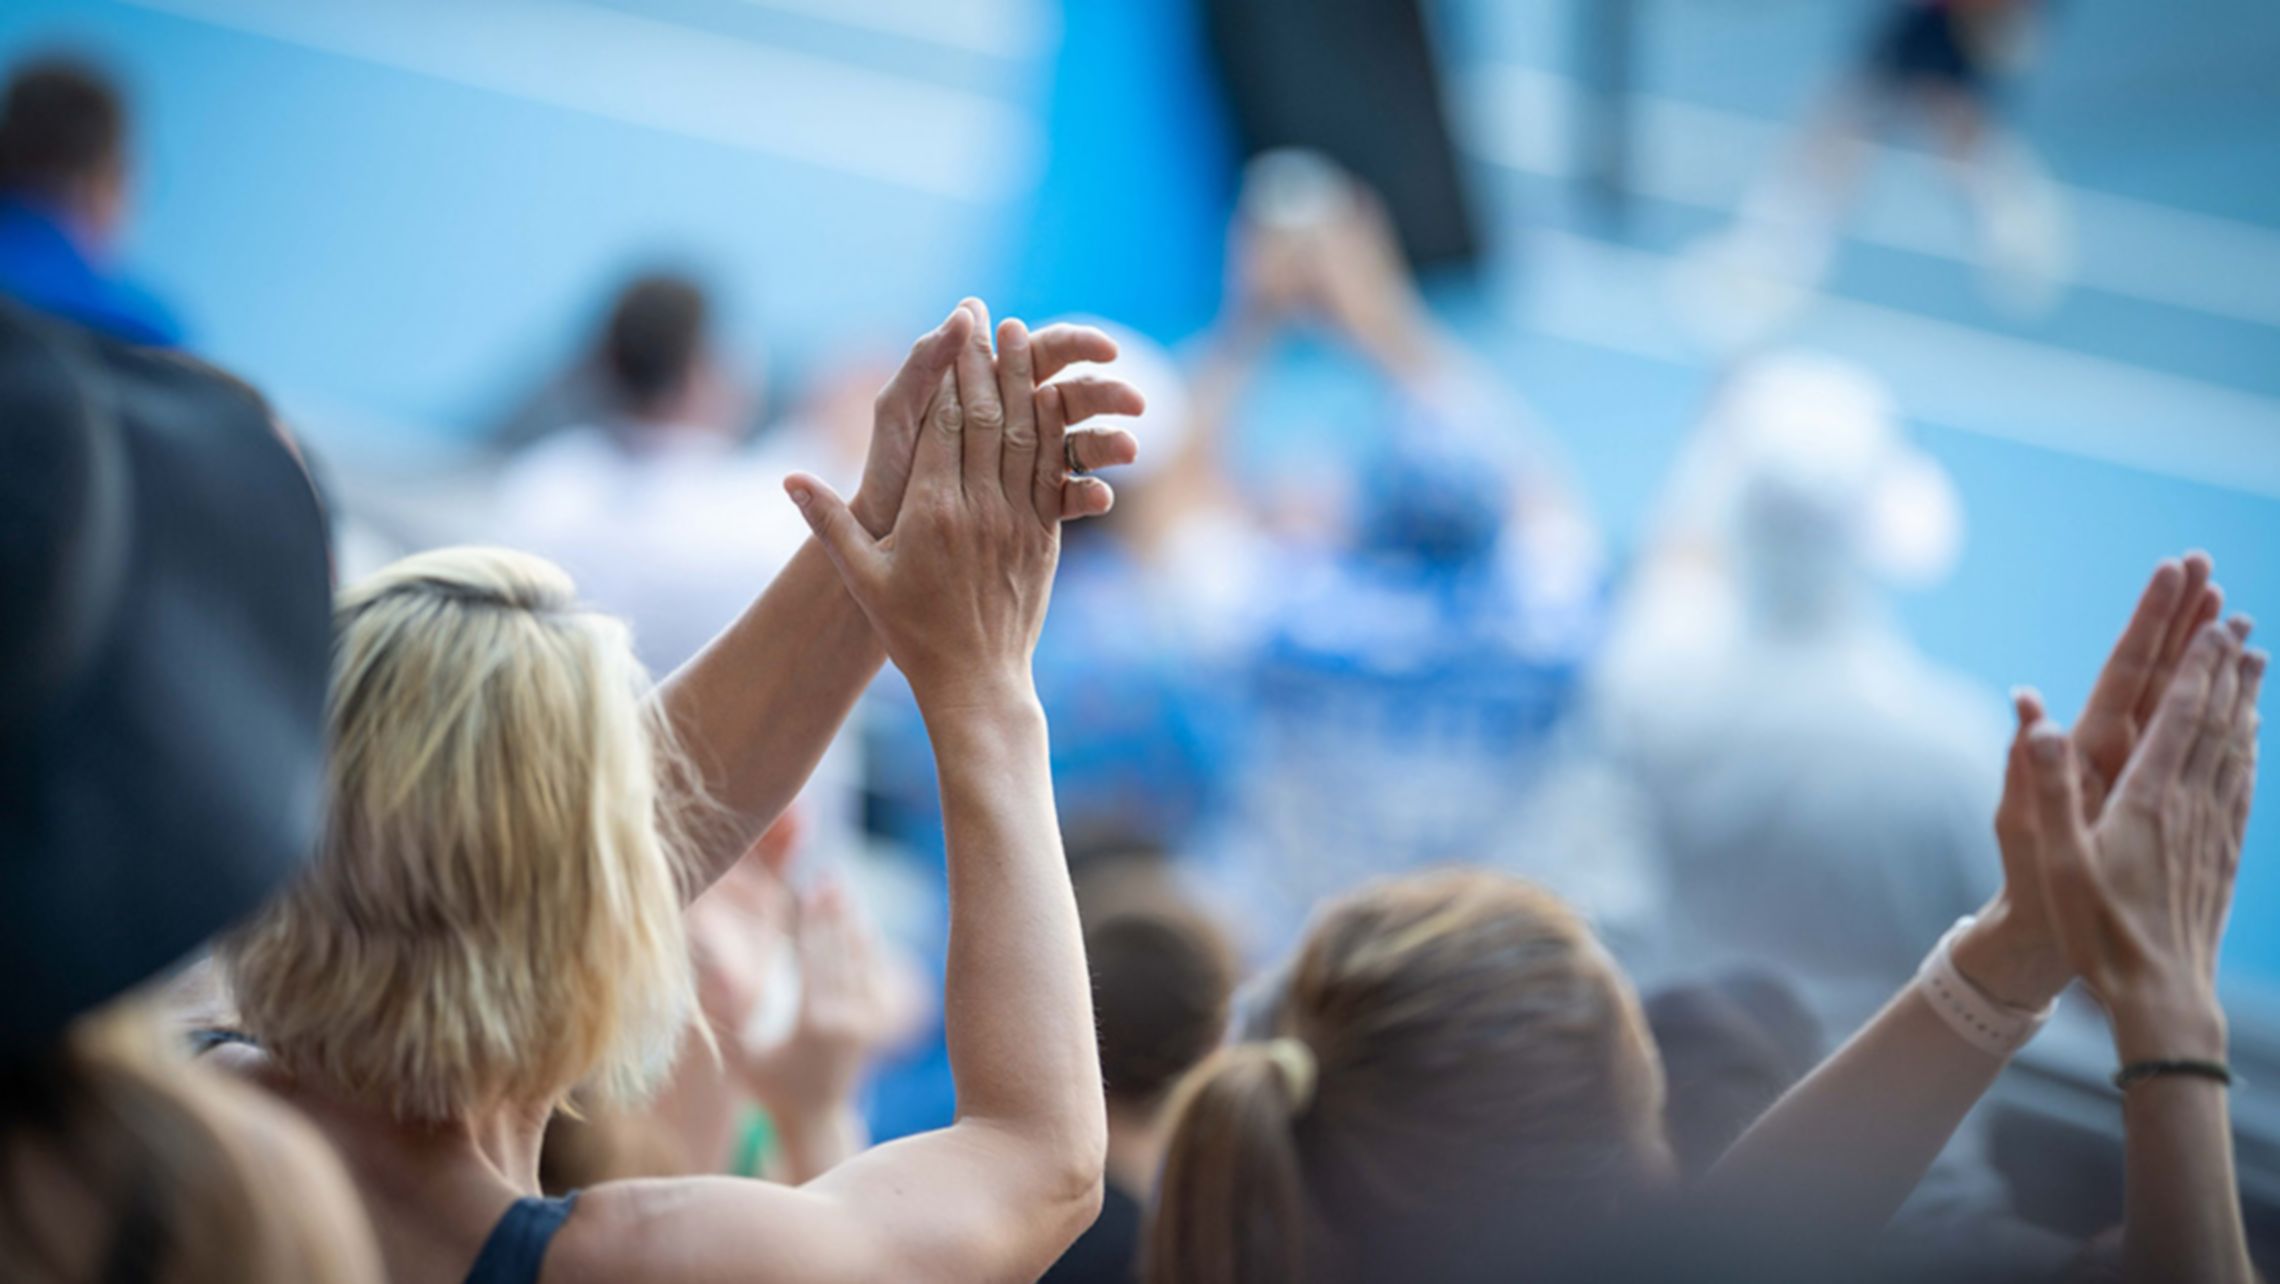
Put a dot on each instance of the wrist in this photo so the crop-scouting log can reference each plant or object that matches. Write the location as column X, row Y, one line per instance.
column 2009, row 961
column 2164, row 1021
column 1004, row 700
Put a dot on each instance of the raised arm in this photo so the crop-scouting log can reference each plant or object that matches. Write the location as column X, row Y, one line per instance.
column 2140, row 898
column 957, row 592
column 758, row 706
column 1828, row 1165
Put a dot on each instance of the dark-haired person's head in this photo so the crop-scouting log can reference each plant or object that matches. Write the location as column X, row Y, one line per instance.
column 63, row 143
column 1452, row 1081
column 655, row 348
column 1162, row 980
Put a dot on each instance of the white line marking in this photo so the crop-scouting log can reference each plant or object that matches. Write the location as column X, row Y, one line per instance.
column 1613, row 297
column 1689, row 155
column 609, row 63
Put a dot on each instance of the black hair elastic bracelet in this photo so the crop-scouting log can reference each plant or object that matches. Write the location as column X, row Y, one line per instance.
column 2140, row 1071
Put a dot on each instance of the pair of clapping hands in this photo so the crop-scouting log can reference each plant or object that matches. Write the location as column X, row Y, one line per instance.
column 950, row 544
column 2121, row 839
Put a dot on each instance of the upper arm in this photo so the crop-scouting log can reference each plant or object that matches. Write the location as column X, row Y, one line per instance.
column 965, row 1203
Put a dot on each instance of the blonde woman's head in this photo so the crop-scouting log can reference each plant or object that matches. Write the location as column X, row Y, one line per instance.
column 496, row 912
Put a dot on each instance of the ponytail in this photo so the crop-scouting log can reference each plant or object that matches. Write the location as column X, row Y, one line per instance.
column 1231, row 1207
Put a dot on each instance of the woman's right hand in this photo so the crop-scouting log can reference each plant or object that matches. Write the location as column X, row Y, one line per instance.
column 2139, row 895
column 957, row 589
column 2012, row 952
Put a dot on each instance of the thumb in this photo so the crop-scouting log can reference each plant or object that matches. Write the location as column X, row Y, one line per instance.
column 844, row 540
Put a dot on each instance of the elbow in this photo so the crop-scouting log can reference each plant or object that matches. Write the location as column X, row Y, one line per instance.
column 1077, row 1175
column 1067, row 1175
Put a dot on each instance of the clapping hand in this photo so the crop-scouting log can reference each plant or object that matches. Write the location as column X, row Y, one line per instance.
column 851, row 1004
column 2015, row 953
column 905, row 405
column 2139, row 893
column 957, row 587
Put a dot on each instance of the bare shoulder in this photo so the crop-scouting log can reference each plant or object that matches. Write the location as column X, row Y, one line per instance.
column 702, row 1230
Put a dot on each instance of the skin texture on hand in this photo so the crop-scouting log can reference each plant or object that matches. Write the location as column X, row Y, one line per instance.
column 903, row 408
column 2013, row 953
column 957, row 589
column 2139, row 898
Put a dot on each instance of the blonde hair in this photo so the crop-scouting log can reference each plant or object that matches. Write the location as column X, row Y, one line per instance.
column 496, row 914
column 1451, row 1079
column 120, row 1161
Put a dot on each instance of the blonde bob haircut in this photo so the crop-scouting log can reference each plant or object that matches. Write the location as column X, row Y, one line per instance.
column 495, row 915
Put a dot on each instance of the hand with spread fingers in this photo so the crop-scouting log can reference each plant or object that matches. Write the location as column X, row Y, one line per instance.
column 904, row 406
column 957, row 586
column 2012, row 951
column 2139, row 893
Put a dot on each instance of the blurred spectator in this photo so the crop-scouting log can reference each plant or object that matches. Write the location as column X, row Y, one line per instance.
column 798, row 997
column 1941, row 65
column 1449, row 1081
column 1821, row 790
column 65, row 185
column 653, row 509
column 1801, row 752
column 1163, row 977
column 163, row 607
column 663, row 511
column 1405, row 654
column 1730, row 1047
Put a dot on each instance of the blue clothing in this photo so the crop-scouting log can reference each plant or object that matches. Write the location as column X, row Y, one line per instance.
column 43, row 266
column 516, row 1250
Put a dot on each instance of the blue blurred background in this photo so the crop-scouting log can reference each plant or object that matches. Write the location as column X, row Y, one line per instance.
column 399, row 215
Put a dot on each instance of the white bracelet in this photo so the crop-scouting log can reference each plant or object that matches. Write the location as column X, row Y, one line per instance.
column 1984, row 1022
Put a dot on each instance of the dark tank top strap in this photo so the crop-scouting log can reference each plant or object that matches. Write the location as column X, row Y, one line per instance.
column 517, row 1246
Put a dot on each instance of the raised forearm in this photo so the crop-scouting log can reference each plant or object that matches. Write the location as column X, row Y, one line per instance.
column 2182, row 1218
column 1827, row 1166
column 1018, row 1004
column 756, row 709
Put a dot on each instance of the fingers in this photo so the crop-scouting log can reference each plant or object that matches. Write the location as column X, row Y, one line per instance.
column 2015, row 812
column 1050, row 468
column 1086, row 497
column 1084, row 396
column 2214, row 744
column 2177, row 722
column 940, row 459
column 1017, row 392
column 1096, row 448
column 2121, row 685
column 2236, row 780
column 905, row 396
column 2070, row 881
column 843, row 538
column 2200, row 602
column 1061, row 345
column 2239, row 784
column 983, row 409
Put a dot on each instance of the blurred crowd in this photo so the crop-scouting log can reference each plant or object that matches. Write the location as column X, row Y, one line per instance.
column 674, row 878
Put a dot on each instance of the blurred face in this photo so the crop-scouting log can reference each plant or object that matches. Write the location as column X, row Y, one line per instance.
column 100, row 206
